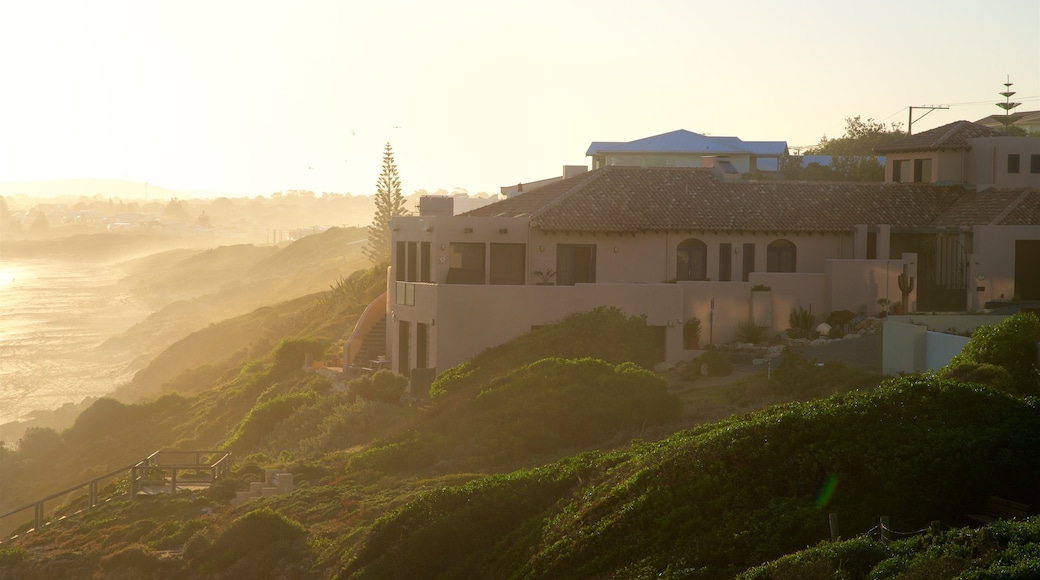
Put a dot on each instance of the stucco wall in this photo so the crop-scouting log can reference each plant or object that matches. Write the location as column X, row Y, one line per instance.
column 989, row 161
column 993, row 258
column 855, row 285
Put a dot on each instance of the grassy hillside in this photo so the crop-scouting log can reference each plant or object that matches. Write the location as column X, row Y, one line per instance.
column 530, row 466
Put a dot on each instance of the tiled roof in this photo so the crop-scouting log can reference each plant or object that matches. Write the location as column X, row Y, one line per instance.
column 952, row 136
column 992, row 207
column 632, row 199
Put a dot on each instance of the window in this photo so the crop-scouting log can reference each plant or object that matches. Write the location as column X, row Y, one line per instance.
column 922, row 170
column 466, row 263
column 507, row 263
column 749, row 260
column 725, row 262
column 898, row 169
column 575, row 264
column 401, row 273
column 781, row 256
column 691, row 260
column 413, row 262
column 1013, row 163
column 1034, row 164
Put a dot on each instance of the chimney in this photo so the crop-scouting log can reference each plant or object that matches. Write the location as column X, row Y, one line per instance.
column 520, row 188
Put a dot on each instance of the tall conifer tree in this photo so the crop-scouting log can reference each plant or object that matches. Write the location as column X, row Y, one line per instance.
column 389, row 203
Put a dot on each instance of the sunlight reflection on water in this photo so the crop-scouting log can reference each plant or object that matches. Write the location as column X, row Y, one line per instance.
column 53, row 317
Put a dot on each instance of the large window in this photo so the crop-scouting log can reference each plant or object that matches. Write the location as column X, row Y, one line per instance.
column 781, row 256
column 575, row 264
column 1034, row 164
column 691, row 260
column 507, row 263
column 413, row 262
column 466, row 263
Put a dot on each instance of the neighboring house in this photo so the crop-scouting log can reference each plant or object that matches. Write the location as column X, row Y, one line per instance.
column 688, row 149
column 672, row 244
column 964, row 153
column 1028, row 121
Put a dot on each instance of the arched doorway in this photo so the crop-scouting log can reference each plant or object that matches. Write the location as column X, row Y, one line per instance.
column 691, row 260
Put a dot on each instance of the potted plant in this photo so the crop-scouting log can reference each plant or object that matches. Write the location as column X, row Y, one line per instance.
column 545, row 277
column 691, row 334
column 883, row 303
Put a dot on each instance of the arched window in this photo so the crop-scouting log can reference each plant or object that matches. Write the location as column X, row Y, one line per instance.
column 691, row 260
column 781, row 256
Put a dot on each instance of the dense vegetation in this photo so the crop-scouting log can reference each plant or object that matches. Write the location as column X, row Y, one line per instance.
column 557, row 455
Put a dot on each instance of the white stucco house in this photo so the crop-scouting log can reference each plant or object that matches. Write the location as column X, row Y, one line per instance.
column 675, row 243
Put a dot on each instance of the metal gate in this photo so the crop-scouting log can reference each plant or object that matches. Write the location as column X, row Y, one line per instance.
column 942, row 275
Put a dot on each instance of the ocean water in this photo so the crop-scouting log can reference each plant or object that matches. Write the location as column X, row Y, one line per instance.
column 54, row 315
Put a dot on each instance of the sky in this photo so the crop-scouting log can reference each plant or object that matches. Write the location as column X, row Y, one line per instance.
column 249, row 98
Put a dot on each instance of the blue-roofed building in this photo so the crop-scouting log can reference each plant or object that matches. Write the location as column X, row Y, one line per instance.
column 684, row 148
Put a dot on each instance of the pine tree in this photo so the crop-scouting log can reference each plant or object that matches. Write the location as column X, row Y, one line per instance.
column 389, row 203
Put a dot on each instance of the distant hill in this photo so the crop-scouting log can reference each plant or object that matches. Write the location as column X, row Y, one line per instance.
column 91, row 187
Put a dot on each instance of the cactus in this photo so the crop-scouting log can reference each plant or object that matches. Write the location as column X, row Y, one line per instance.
column 906, row 286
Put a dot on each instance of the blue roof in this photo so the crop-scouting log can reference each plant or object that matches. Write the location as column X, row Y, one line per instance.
column 683, row 141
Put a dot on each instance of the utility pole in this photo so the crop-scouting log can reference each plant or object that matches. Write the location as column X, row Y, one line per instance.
column 910, row 123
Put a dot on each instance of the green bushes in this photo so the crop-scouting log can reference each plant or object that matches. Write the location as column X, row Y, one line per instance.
column 712, row 501
column 383, row 385
column 543, row 407
column 751, row 331
column 255, row 543
column 1010, row 345
column 263, row 417
column 712, row 364
column 604, row 333
column 289, row 355
column 802, row 322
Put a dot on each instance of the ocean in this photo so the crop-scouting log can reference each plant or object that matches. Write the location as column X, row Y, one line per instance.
column 54, row 315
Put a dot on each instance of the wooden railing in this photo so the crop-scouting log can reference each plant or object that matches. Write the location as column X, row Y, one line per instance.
column 158, row 469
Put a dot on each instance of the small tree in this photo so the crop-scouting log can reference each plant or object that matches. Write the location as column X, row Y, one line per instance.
column 389, row 204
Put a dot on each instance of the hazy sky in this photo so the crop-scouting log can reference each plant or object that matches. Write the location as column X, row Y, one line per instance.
column 256, row 97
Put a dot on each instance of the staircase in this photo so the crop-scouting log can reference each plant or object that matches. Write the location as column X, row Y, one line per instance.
column 374, row 344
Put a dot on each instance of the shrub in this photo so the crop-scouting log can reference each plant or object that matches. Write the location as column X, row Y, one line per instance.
column 983, row 374
column 263, row 417
column 802, row 318
column 712, row 364
column 290, row 354
column 751, row 331
column 604, row 333
column 840, row 317
column 383, row 385
column 262, row 533
column 1011, row 345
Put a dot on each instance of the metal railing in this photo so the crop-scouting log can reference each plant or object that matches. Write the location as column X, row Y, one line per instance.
column 156, row 469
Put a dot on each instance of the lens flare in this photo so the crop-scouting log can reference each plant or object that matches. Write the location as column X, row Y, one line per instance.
column 830, row 485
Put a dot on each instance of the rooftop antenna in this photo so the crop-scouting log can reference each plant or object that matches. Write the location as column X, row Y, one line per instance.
column 1007, row 105
column 910, row 124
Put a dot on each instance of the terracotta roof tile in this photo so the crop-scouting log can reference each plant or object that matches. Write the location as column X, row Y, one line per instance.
column 630, row 199
column 952, row 136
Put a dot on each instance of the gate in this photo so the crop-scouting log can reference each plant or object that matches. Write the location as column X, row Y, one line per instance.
column 942, row 275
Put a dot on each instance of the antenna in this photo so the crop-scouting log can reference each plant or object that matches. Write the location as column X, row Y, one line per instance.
column 910, row 124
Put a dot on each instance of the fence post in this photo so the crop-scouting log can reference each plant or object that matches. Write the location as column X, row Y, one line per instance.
column 934, row 527
column 833, row 518
column 92, row 494
column 885, row 535
column 38, row 516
